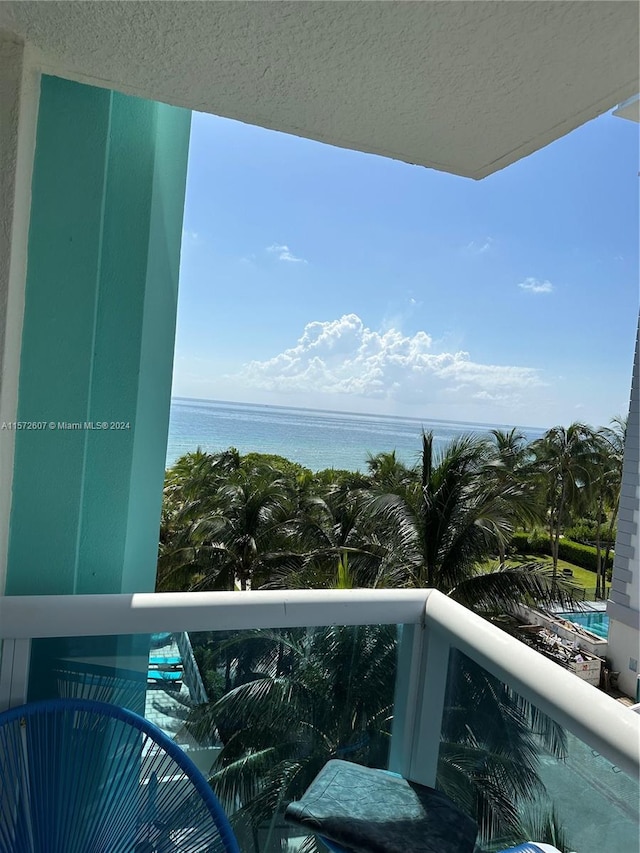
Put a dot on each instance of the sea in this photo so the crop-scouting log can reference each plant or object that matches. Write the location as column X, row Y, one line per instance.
column 314, row 438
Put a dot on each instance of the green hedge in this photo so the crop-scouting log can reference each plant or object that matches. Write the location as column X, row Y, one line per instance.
column 531, row 543
column 581, row 555
column 520, row 541
column 573, row 552
column 585, row 532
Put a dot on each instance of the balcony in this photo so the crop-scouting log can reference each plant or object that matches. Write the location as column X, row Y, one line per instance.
column 403, row 679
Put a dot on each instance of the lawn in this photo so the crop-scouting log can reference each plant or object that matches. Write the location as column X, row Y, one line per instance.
column 581, row 577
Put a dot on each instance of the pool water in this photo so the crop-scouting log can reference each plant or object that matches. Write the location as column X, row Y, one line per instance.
column 595, row 621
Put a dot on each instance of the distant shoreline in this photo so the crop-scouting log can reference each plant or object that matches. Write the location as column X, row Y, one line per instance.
column 371, row 415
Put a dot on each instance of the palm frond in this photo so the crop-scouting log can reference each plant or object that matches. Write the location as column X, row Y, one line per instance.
column 540, row 821
column 508, row 586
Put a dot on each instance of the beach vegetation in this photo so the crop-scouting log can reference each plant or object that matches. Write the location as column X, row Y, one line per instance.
column 260, row 520
column 283, row 702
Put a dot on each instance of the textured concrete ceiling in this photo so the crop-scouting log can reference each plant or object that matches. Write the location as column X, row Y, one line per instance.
column 629, row 109
column 465, row 87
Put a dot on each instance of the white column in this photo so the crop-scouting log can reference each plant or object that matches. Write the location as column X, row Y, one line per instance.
column 624, row 603
column 19, row 90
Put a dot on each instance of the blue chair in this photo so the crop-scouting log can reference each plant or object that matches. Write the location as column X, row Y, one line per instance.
column 80, row 680
column 80, row 776
column 530, row 847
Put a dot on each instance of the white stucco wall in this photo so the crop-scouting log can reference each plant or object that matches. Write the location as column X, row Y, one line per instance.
column 624, row 604
column 624, row 640
column 19, row 88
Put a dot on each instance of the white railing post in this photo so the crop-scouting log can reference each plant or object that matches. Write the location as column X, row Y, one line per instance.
column 423, row 668
column 14, row 673
column 6, row 667
column 192, row 676
column 430, row 707
column 406, row 699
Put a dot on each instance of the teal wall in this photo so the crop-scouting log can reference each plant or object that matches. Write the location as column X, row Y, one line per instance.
column 99, row 323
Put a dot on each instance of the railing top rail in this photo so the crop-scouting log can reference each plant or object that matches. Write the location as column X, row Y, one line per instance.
column 38, row 616
column 597, row 719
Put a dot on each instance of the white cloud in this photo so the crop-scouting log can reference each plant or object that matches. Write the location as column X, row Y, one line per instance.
column 345, row 357
column 534, row 285
column 480, row 247
column 284, row 254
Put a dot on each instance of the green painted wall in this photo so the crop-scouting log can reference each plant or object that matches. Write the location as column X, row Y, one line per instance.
column 100, row 307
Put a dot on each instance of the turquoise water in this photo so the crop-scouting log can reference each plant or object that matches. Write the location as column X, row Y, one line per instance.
column 316, row 439
column 595, row 621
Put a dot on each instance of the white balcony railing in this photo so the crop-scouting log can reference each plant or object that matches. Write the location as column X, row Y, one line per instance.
column 433, row 625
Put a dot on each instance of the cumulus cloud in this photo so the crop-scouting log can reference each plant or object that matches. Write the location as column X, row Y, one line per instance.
column 344, row 356
column 534, row 285
column 284, row 254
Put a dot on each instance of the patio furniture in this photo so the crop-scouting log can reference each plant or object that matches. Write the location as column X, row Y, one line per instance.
column 164, row 675
column 161, row 639
column 360, row 809
column 165, row 660
column 80, row 776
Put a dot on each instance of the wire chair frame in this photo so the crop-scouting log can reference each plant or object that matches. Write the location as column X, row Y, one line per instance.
column 122, row 687
column 82, row 776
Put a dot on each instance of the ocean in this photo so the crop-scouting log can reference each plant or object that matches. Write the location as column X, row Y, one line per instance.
column 315, row 439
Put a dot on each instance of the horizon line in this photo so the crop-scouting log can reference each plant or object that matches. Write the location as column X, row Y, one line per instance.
column 357, row 414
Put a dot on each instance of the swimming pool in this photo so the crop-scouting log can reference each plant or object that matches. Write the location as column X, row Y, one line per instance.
column 595, row 621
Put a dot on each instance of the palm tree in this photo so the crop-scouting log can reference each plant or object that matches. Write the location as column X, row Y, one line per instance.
column 441, row 528
column 307, row 695
column 510, row 473
column 190, row 492
column 313, row 695
column 609, row 443
column 331, row 523
column 248, row 532
column 387, row 473
column 490, row 745
column 564, row 458
column 301, row 697
column 227, row 523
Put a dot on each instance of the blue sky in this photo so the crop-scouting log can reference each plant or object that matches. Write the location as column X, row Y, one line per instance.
column 318, row 277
